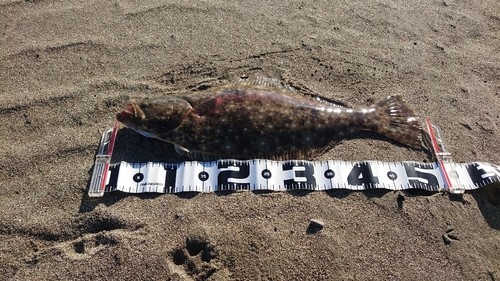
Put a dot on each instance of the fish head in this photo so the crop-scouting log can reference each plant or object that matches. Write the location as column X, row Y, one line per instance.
column 156, row 118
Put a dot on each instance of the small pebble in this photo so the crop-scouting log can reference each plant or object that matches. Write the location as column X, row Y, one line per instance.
column 317, row 223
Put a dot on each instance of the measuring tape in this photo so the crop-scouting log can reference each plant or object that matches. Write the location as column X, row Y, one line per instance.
column 260, row 174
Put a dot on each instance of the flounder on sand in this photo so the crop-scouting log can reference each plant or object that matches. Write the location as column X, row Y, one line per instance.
column 263, row 118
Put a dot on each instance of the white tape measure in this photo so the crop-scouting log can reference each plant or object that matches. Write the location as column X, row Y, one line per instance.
column 259, row 174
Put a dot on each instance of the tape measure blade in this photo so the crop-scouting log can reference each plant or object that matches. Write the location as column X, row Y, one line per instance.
column 191, row 177
column 276, row 178
column 259, row 175
column 278, row 175
column 390, row 175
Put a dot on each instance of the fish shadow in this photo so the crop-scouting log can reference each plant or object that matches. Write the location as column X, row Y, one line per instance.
column 488, row 202
column 134, row 148
column 364, row 135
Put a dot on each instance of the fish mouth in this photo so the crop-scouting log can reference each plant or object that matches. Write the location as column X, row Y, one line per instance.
column 132, row 111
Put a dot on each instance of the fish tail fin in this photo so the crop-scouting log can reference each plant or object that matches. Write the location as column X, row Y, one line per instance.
column 395, row 120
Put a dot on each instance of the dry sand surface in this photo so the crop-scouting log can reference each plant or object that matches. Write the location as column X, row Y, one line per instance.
column 67, row 67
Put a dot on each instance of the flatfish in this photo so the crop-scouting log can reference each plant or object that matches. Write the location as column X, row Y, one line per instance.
column 263, row 118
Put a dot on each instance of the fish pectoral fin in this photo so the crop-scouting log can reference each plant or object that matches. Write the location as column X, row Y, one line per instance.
column 194, row 155
column 181, row 150
column 207, row 107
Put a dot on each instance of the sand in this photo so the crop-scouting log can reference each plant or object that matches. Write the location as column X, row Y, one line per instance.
column 67, row 67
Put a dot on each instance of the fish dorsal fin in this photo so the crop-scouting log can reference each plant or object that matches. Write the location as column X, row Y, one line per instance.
column 324, row 100
column 304, row 90
column 263, row 82
column 298, row 90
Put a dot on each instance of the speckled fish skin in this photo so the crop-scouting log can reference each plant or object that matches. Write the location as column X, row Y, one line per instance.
column 258, row 121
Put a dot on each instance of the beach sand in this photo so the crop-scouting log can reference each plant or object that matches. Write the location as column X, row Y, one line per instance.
column 67, row 68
